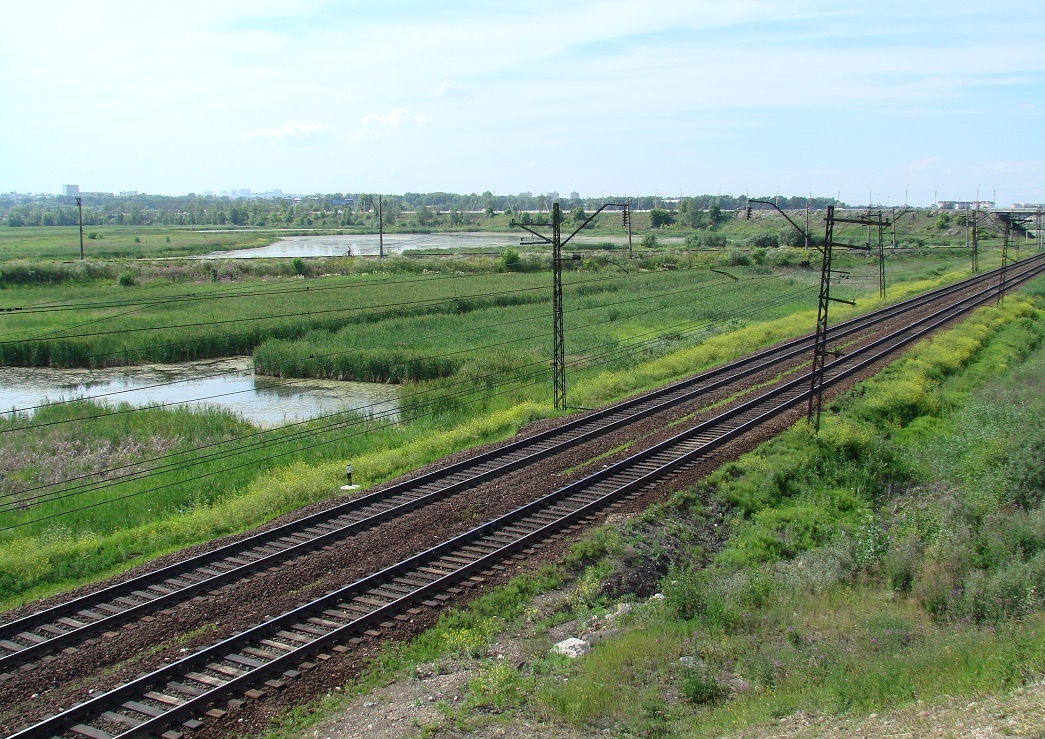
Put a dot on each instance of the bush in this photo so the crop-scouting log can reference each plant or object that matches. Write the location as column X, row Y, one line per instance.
column 126, row 279
column 659, row 217
column 649, row 241
column 509, row 260
column 737, row 258
column 299, row 267
column 701, row 688
column 764, row 241
column 792, row 237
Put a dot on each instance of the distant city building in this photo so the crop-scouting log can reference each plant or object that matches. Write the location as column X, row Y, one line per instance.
column 552, row 196
column 526, row 195
column 70, row 189
column 964, row 204
column 128, row 193
column 575, row 195
column 95, row 194
column 208, row 193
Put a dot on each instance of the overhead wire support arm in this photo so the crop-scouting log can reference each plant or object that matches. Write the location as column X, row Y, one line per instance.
column 558, row 331
column 805, row 234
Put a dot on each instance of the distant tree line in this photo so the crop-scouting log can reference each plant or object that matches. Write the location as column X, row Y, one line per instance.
column 337, row 210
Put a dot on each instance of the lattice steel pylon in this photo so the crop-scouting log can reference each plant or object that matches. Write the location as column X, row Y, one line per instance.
column 558, row 330
column 559, row 340
column 816, row 376
column 881, row 259
column 975, row 239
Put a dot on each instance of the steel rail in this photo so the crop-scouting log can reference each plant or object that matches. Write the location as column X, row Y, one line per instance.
column 190, row 686
column 69, row 623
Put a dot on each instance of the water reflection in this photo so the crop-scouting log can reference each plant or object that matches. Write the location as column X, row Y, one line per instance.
column 225, row 383
column 366, row 245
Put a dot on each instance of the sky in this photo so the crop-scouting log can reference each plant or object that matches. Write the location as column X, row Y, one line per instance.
column 880, row 101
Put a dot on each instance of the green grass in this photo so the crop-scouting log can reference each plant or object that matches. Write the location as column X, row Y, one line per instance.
column 800, row 610
column 62, row 243
column 834, row 593
column 200, row 502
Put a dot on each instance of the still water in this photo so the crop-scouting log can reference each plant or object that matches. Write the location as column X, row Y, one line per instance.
column 367, row 245
column 221, row 383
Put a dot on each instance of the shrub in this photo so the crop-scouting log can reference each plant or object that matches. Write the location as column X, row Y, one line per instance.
column 764, row 241
column 737, row 258
column 299, row 267
column 649, row 241
column 701, row 688
column 126, row 279
column 792, row 237
column 510, row 260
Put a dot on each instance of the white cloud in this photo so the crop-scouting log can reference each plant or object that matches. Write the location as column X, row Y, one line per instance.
column 926, row 163
column 395, row 118
column 449, row 88
column 290, row 130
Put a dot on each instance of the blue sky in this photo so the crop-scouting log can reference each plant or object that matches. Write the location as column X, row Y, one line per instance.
column 858, row 99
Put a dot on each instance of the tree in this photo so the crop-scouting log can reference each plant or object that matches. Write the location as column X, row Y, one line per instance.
column 577, row 215
column 510, row 260
column 659, row 217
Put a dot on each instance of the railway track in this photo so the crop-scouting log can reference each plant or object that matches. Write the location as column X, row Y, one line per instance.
column 186, row 690
column 48, row 631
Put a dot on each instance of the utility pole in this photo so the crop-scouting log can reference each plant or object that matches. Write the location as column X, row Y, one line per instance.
column 806, row 234
column 79, row 207
column 1012, row 223
column 816, row 376
column 627, row 218
column 558, row 331
column 975, row 240
column 381, row 226
column 1004, row 260
column 820, row 352
column 379, row 209
column 558, row 334
column 881, row 258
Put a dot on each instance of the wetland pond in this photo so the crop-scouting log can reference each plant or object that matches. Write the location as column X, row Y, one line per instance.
column 366, row 245
column 228, row 384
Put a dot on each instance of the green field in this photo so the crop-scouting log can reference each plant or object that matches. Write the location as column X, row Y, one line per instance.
column 472, row 352
column 62, row 243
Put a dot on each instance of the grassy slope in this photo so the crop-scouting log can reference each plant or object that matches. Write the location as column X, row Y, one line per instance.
column 859, row 574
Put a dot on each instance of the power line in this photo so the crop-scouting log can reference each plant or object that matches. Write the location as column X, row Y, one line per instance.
column 484, row 327
column 615, row 347
column 397, row 306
